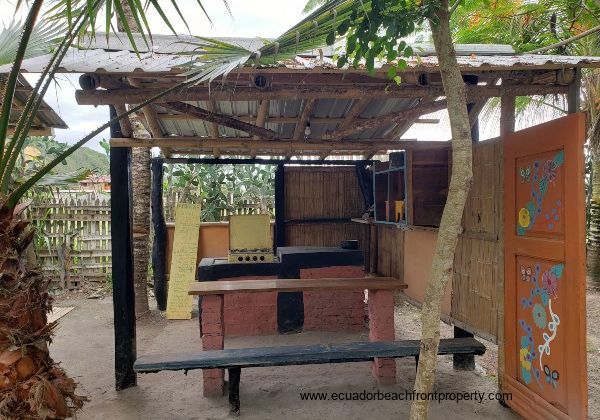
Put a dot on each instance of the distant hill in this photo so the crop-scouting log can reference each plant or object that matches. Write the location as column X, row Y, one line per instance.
column 85, row 158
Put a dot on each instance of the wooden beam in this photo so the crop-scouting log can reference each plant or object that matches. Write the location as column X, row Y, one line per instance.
column 280, row 206
column 285, row 120
column 224, row 287
column 221, row 119
column 238, row 93
column 574, row 93
column 507, row 115
column 403, row 126
column 213, row 128
column 303, row 118
column 261, row 117
column 149, row 112
column 122, row 262
column 369, row 155
column 394, row 117
column 358, row 107
column 282, row 146
column 159, row 244
column 152, row 121
column 125, row 123
column 427, row 121
column 475, row 111
column 262, row 113
column 470, row 80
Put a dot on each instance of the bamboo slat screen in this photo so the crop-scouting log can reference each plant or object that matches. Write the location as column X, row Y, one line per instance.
column 73, row 242
column 323, row 193
column 390, row 261
column 478, row 264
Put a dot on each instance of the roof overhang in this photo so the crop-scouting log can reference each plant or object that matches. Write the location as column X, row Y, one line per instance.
column 304, row 106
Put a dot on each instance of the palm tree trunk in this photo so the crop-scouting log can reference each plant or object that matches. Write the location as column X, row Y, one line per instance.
column 593, row 248
column 140, row 172
column 32, row 385
column 450, row 226
column 140, row 168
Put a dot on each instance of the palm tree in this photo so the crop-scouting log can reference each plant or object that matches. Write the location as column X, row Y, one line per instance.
column 140, row 172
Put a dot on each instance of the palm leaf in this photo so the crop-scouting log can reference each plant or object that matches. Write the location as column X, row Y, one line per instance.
column 54, row 180
column 213, row 58
column 43, row 39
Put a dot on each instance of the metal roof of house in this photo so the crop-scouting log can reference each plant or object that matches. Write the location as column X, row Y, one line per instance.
column 116, row 55
column 46, row 118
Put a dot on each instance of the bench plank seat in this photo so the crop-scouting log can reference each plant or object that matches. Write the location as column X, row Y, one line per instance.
column 236, row 359
column 299, row 355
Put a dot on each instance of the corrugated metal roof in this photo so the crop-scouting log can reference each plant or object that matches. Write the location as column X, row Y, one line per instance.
column 46, row 117
column 117, row 56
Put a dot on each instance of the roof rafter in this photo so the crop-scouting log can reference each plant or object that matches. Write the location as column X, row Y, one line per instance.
column 303, row 118
column 221, row 119
column 285, row 120
column 213, row 128
column 393, row 117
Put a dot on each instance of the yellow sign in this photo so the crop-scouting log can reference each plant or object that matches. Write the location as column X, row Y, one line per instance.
column 183, row 261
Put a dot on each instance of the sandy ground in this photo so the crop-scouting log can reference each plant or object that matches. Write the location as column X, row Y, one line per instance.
column 84, row 345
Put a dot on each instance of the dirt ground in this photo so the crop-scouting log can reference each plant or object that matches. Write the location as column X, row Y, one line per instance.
column 84, row 345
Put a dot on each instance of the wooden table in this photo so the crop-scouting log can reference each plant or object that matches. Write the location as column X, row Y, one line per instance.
column 380, row 302
column 223, row 287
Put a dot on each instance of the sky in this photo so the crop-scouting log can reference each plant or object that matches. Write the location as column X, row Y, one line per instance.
column 263, row 18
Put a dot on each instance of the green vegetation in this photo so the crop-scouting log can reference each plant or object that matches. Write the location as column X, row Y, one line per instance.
column 84, row 158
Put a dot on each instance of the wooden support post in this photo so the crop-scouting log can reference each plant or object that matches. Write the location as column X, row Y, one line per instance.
column 473, row 80
column 373, row 248
column 159, row 245
column 122, row 262
column 234, row 391
column 463, row 361
column 574, row 93
column 507, row 115
column 280, row 206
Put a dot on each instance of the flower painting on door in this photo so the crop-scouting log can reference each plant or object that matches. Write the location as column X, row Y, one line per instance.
column 537, row 337
column 541, row 302
column 540, row 208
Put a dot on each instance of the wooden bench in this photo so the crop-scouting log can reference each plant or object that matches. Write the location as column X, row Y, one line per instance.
column 236, row 359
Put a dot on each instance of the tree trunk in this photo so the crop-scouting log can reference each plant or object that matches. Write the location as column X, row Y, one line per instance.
column 140, row 168
column 140, row 172
column 593, row 249
column 450, row 226
column 32, row 385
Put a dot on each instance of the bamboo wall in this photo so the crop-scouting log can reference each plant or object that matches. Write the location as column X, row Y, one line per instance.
column 479, row 263
column 471, row 299
column 313, row 193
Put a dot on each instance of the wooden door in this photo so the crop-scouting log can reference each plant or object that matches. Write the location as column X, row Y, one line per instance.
column 544, row 301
